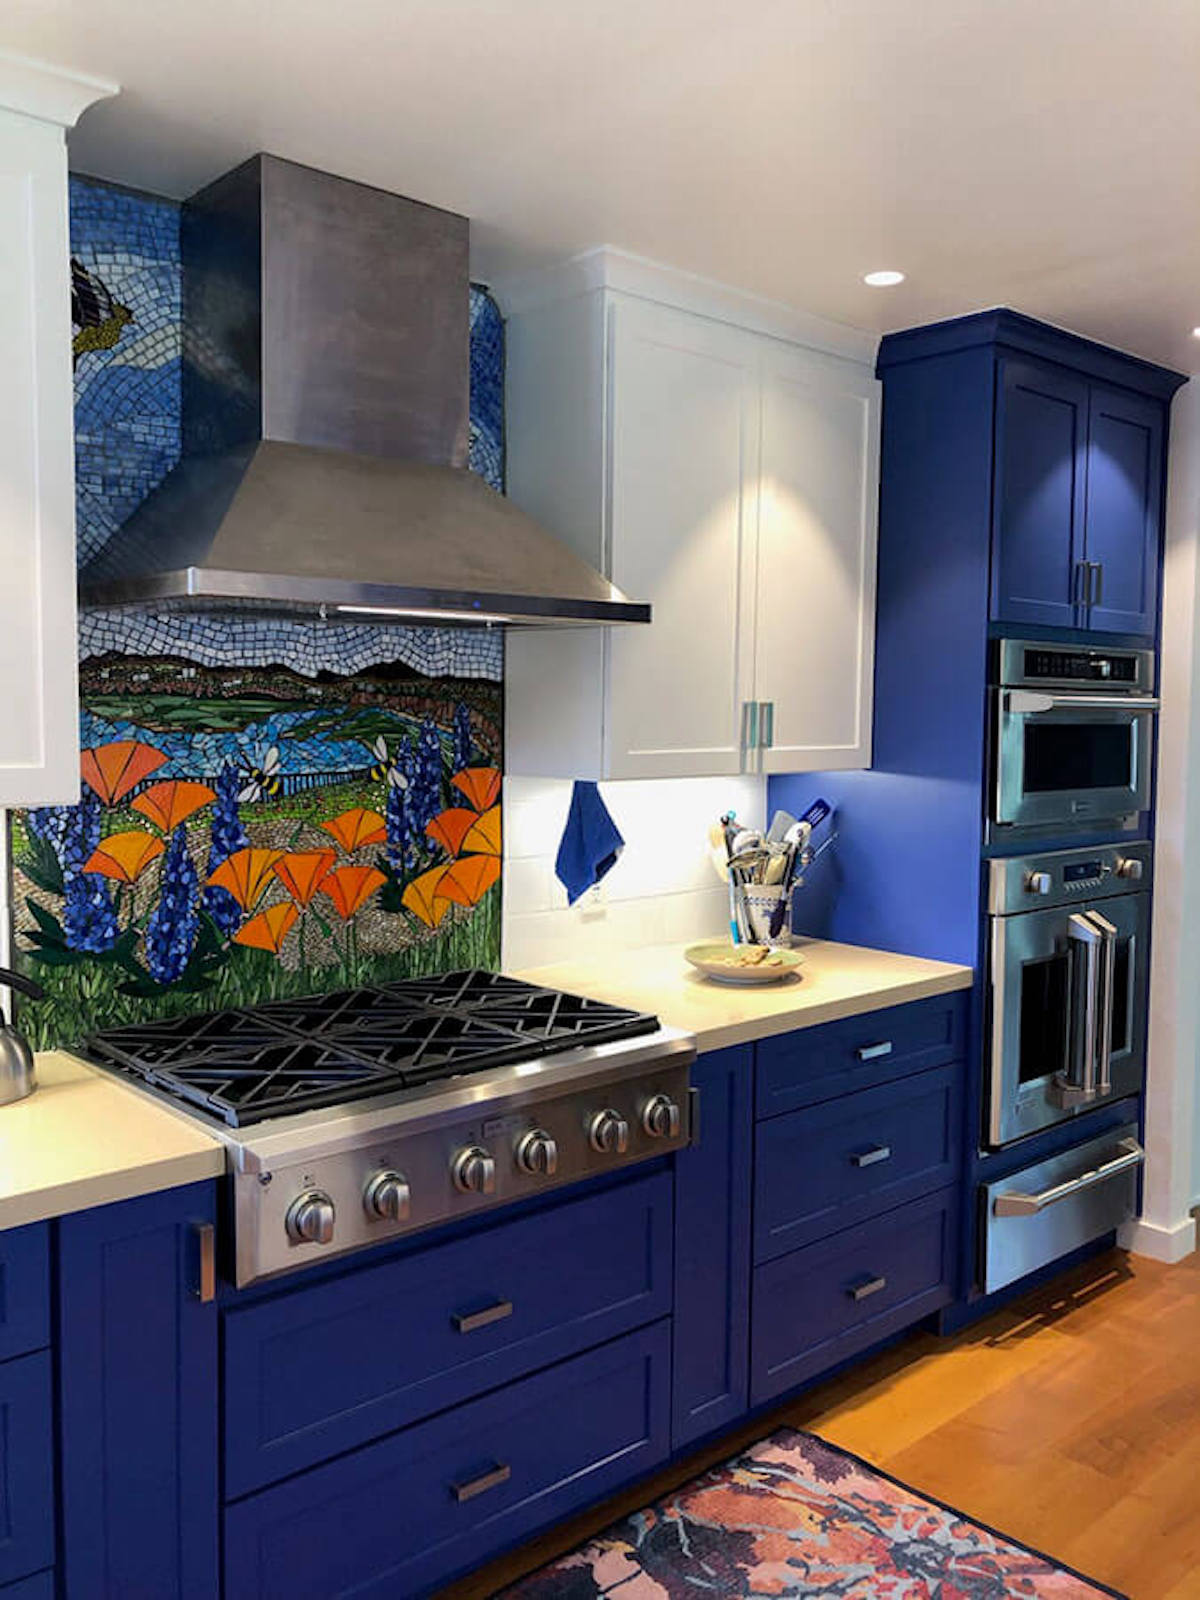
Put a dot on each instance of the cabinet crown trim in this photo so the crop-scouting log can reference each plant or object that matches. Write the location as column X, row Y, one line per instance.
column 1015, row 331
column 51, row 94
column 620, row 271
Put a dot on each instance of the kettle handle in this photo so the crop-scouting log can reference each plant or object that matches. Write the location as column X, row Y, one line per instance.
column 17, row 980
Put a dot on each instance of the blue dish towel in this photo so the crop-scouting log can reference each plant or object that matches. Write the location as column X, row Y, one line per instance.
column 591, row 842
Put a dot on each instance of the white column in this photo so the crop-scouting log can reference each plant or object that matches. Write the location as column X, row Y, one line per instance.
column 39, row 729
column 1166, row 1229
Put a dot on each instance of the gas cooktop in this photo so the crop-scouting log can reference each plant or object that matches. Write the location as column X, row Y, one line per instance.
column 242, row 1066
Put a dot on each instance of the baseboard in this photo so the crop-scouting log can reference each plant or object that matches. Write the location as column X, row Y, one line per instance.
column 1169, row 1244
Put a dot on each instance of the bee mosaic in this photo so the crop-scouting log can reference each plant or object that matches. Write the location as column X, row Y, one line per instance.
column 385, row 765
column 261, row 779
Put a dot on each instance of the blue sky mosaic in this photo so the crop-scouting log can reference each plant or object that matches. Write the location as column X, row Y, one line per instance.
column 127, row 438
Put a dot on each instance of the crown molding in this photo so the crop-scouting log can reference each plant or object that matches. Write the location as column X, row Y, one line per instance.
column 622, row 272
column 51, row 94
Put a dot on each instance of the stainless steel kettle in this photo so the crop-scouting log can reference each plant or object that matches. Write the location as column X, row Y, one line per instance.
column 17, row 1078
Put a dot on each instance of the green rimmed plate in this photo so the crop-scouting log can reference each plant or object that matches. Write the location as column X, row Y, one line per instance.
column 718, row 959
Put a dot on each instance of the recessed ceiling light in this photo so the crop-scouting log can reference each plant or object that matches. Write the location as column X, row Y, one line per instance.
column 1196, row 333
column 883, row 280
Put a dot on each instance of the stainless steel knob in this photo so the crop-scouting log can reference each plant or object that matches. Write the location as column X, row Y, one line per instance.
column 608, row 1132
column 537, row 1153
column 1132, row 869
column 660, row 1117
column 1038, row 882
column 310, row 1218
column 474, row 1171
column 387, row 1196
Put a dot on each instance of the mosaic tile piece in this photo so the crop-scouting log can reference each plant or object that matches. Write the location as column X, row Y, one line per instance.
column 249, row 833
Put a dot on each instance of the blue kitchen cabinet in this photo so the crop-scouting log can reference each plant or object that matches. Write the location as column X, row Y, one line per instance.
column 1078, row 501
column 712, row 1250
column 1124, row 509
column 26, row 1467
column 1038, row 546
column 138, row 1400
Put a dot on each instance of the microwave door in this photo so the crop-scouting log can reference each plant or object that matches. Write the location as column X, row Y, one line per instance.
column 1071, row 757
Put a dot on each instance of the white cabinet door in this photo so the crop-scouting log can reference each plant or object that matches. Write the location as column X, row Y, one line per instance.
column 39, row 731
column 682, row 445
column 815, row 578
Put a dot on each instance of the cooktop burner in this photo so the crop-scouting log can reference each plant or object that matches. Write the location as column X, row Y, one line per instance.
column 299, row 1055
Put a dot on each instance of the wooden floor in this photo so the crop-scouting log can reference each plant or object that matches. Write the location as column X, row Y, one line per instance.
column 1071, row 1421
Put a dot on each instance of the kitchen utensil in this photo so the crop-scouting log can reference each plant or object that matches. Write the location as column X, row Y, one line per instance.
column 735, row 964
column 780, row 823
column 17, row 1076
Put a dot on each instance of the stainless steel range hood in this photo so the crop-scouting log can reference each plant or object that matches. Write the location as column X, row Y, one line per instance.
column 325, row 426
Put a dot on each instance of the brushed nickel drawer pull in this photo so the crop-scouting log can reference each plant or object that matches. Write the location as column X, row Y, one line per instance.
column 871, row 1157
column 487, row 1480
column 868, row 1287
column 872, row 1052
column 206, row 1240
column 467, row 1322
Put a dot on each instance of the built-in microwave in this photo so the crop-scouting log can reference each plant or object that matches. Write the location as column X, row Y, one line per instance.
column 1074, row 735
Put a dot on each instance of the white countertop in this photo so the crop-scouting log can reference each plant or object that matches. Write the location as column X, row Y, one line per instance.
column 83, row 1139
column 836, row 980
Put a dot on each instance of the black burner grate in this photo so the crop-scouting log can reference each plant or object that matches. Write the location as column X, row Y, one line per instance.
column 300, row 1055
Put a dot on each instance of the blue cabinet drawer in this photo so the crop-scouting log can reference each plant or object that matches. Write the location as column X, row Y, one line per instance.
column 26, row 1467
column 815, row 1307
column 414, row 1510
column 24, row 1290
column 830, row 1166
column 815, row 1064
column 326, row 1368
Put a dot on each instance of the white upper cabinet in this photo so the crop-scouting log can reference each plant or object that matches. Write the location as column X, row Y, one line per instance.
column 39, row 732
column 728, row 477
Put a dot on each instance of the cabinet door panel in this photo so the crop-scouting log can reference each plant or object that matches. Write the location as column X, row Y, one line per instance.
column 1041, row 426
column 39, row 732
column 681, row 424
column 26, row 1466
column 815, row 576
column 712, row 1251
column 1124, row 505
column 138, row 1400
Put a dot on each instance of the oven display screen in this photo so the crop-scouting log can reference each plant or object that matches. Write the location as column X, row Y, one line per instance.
column 1077, row 756
column 1080, row 870
column 1082, row 666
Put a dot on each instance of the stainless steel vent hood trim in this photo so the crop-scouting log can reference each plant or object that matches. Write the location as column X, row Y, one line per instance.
column 325, row 395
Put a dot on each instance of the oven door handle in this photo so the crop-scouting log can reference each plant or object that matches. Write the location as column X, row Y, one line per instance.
column 1086, row 940
column 1033, row 703
column 1016, row 1204
column 1107, row 966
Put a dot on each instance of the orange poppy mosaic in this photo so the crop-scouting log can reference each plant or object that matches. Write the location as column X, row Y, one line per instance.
column 245, row 835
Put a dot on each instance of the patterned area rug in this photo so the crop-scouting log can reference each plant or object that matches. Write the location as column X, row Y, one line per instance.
column 794, row 1516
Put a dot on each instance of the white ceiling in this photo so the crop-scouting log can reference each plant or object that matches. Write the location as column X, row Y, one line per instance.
column 1042, row 154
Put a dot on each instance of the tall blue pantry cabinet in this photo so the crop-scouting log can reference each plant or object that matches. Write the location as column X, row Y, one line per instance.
column 1021, row 495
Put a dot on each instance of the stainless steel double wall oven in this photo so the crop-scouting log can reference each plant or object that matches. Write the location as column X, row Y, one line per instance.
column 1068, row 936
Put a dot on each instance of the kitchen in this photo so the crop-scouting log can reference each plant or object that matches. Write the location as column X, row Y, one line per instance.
column 446, row 596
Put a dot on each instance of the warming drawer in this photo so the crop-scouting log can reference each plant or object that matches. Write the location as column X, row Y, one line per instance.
column 1042, row 1213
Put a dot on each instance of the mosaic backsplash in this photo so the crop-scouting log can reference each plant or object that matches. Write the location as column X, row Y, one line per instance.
column 247, row 834
column 269, row 807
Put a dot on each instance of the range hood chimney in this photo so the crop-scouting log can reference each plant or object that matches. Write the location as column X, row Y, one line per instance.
column 326, row 385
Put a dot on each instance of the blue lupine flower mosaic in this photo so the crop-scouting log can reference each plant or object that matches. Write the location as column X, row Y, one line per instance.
column 228, row 836
column 462, row 737
column 171, row 930
column 89, row 918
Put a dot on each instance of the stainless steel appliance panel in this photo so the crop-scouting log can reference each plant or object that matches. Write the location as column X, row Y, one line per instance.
column 1043, row 1212
column 1068, row 984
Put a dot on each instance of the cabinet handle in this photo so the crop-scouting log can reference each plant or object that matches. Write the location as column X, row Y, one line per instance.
column 206, row 1244
column 468, row 1322
column 1083, row 582
column 1096, row 591
column 486, row 1480
column 871, row 1157
column 872, row 1052
column 866, row 1287
column 749, row 726
column 693, row 1117
column 767, row 724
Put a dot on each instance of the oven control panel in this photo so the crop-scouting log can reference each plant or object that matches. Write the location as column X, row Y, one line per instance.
column 1058, row 877
column 1031, row 664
